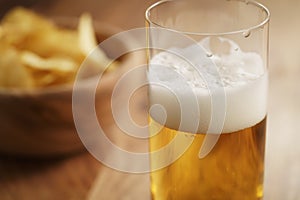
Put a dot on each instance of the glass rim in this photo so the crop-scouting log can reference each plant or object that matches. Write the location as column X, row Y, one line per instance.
column 239, row 31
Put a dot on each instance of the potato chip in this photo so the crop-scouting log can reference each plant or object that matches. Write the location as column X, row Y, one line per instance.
column 37, row 53
column 12, row 73
column 20, row 24
column 28, row 31
column 50, row 78
column 54, row 63
column 88, row 43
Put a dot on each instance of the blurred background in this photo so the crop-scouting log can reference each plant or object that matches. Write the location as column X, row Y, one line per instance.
column 76, row 177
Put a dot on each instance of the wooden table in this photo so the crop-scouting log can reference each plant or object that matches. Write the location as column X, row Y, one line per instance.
column 81, row 176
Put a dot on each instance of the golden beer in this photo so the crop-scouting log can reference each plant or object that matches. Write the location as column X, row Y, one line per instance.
column 208, row 86
column 233, row 170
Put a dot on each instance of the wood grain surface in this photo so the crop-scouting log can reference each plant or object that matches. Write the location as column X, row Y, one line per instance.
column 81, row 176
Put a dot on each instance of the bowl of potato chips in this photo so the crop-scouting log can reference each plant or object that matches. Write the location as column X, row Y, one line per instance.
column 38, row 65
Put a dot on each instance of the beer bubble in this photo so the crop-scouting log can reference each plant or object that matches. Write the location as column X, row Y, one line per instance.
column 209, row 54
column 246, row 33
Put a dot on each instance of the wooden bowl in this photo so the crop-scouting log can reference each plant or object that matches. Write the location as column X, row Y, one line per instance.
column 40, row 123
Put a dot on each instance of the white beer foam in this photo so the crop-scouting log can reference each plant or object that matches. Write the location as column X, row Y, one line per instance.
column 242, row 76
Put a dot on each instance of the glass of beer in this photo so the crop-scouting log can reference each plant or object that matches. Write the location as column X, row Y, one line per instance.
column 208, row 85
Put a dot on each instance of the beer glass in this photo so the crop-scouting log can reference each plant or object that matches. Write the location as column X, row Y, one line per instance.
column 208, row 80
